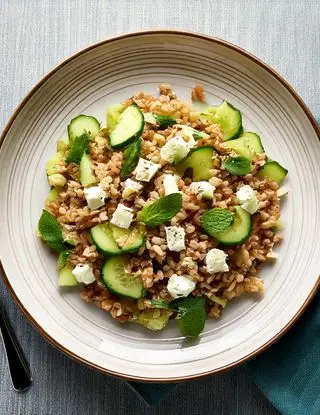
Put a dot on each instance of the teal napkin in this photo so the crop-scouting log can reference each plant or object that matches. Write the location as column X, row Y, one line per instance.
column 288, row 373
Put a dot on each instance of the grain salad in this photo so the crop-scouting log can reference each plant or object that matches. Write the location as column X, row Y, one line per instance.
column 165, row 213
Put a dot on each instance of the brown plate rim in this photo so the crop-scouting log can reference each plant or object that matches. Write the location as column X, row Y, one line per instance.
column 28, row 316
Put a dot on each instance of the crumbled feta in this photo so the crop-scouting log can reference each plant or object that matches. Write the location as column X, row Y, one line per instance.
column 130, row 187
column 175, row 238
column 122, row 216
column 175, row 150
column 180, row 286
column 248, row 199
column 170, row 184
column 216, row 261
column 95, row 196
column 84, row 273
column 145, row 170
column 205, row 189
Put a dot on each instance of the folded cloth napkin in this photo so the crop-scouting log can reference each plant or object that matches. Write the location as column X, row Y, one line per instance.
column 288, row 373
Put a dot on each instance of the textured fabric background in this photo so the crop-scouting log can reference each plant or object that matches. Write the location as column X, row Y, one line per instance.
column 36, row 35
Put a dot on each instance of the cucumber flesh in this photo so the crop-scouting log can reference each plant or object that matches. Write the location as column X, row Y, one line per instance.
column 247, row 145
column 102, row 237
column 53, row 194
column 129, row 127
column 200, row 160
column 228, row 117
column 83, row 124
column 113, row 115
column 274, row 171
column 52, row 164
column 129, row 240
column 120, row 282
column 86, row 175
column 147, row 320
column 66, row 278
column 239, row 230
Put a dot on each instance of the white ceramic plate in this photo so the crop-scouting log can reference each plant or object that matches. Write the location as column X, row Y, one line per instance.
column 107, row 73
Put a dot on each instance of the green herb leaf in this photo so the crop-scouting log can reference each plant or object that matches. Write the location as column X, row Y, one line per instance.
column 161, row 211
column 131, row 157
column 165, row 120
column 62, row 259
column 51, row 232
column 216, row 220
column 192, row 315
column 79, row 146
column 238, row 166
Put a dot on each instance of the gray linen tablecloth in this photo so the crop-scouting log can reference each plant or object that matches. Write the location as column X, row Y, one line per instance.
column 35, row 35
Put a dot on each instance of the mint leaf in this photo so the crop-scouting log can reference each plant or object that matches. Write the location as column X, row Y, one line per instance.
column 192, row 315
column 79, row 146
column 238, row 166
column 131, row 157
column 165, row 120
column 161, row 211
column 216, row 220
column 51, row 232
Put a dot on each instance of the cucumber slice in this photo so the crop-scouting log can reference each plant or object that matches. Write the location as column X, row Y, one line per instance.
column 247, row 145
column 129, row 128
column 120, row 282
column 164, row 120
column 83, row 124
column 51, row 167
column 113, row 115
column 102, row 237
column 86, row 176
column 274, row 171
column 228, row 117
column 53, row 194
column 66, row 278
column 152, row 321
column 200, row 160
column 129, row 240
column 239, row 230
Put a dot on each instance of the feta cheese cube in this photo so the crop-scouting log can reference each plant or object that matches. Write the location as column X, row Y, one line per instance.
column 95, row 197
column 175, row 150
column 180, row 286
column 248, row 199
column 130, row 187
column 203, row 188
column 170, row 184
column 122, row 216
column 84, row 273
column 216, row 261
column 175, row 238
column 145, row 170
